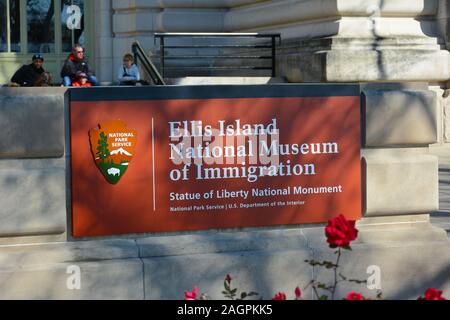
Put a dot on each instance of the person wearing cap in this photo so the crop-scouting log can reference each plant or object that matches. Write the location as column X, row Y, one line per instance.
column 76, row 62
column 81, row 80
column 28, row 75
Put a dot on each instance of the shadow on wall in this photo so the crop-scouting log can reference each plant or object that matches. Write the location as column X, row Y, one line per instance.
column 430, row 23
column 375, row 12
column 426, row 43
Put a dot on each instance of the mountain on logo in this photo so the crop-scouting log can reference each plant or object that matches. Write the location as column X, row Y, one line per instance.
column 120, row 156
column 121, row 151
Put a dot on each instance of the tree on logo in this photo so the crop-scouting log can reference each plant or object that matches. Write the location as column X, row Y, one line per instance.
column 102, row 149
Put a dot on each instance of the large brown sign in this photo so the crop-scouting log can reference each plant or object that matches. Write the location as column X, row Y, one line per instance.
column 179, row 159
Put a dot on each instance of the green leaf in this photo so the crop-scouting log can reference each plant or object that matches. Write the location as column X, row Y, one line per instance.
column 323, row 297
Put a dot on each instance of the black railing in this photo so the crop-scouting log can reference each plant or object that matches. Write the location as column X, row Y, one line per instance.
column 199, row 53
column 147, row 64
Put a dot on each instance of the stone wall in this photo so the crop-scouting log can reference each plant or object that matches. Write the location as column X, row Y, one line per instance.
column 399, row 189
column 399, row 123
column 33, row 163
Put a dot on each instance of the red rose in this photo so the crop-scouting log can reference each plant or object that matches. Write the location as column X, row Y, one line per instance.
column 432, row 294
column 191, row 295
column 298, row 293
column 340, row 232
column 280, row 296
column 354, row 296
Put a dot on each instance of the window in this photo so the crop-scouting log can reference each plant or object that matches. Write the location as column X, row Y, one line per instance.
column 41, row 26
column 14, row 22
column 48, row 26
column 72, row 23
column 10, row 25
column 3, row 22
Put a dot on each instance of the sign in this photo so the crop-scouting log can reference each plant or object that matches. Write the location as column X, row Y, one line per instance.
column 213, row 157
column 112, row 146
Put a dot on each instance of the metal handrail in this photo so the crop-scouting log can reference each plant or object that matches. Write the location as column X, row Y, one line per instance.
column 164, row 47
column 139, row 54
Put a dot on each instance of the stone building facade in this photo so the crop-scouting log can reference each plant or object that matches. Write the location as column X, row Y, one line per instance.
column 397, row 49
column 387, row 40
column 322, row 40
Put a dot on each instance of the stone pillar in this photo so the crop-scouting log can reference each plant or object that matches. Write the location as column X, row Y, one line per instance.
column 103, row 41
column 443, row 23
column 399, row 176
column 357, row 41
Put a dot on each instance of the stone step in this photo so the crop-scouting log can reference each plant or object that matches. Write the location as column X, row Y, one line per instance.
column 223, row 80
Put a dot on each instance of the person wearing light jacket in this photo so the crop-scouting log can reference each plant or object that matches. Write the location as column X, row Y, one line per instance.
column 128, row 72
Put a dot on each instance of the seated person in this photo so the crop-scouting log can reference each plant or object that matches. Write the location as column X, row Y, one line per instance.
column 28, row 75
column 81, row 80
column 129, row 71
column 44, row 80
column 76, row 62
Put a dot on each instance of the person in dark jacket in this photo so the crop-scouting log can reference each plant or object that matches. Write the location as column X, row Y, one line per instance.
column 28, row 75
column 76, row 63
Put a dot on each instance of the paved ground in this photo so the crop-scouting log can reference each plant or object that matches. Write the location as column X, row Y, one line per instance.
column 442, row 217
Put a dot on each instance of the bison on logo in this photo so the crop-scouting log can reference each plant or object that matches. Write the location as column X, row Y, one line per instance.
column 113, row 145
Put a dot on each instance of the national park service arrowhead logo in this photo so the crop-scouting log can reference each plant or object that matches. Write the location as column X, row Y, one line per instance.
column 113, row 146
